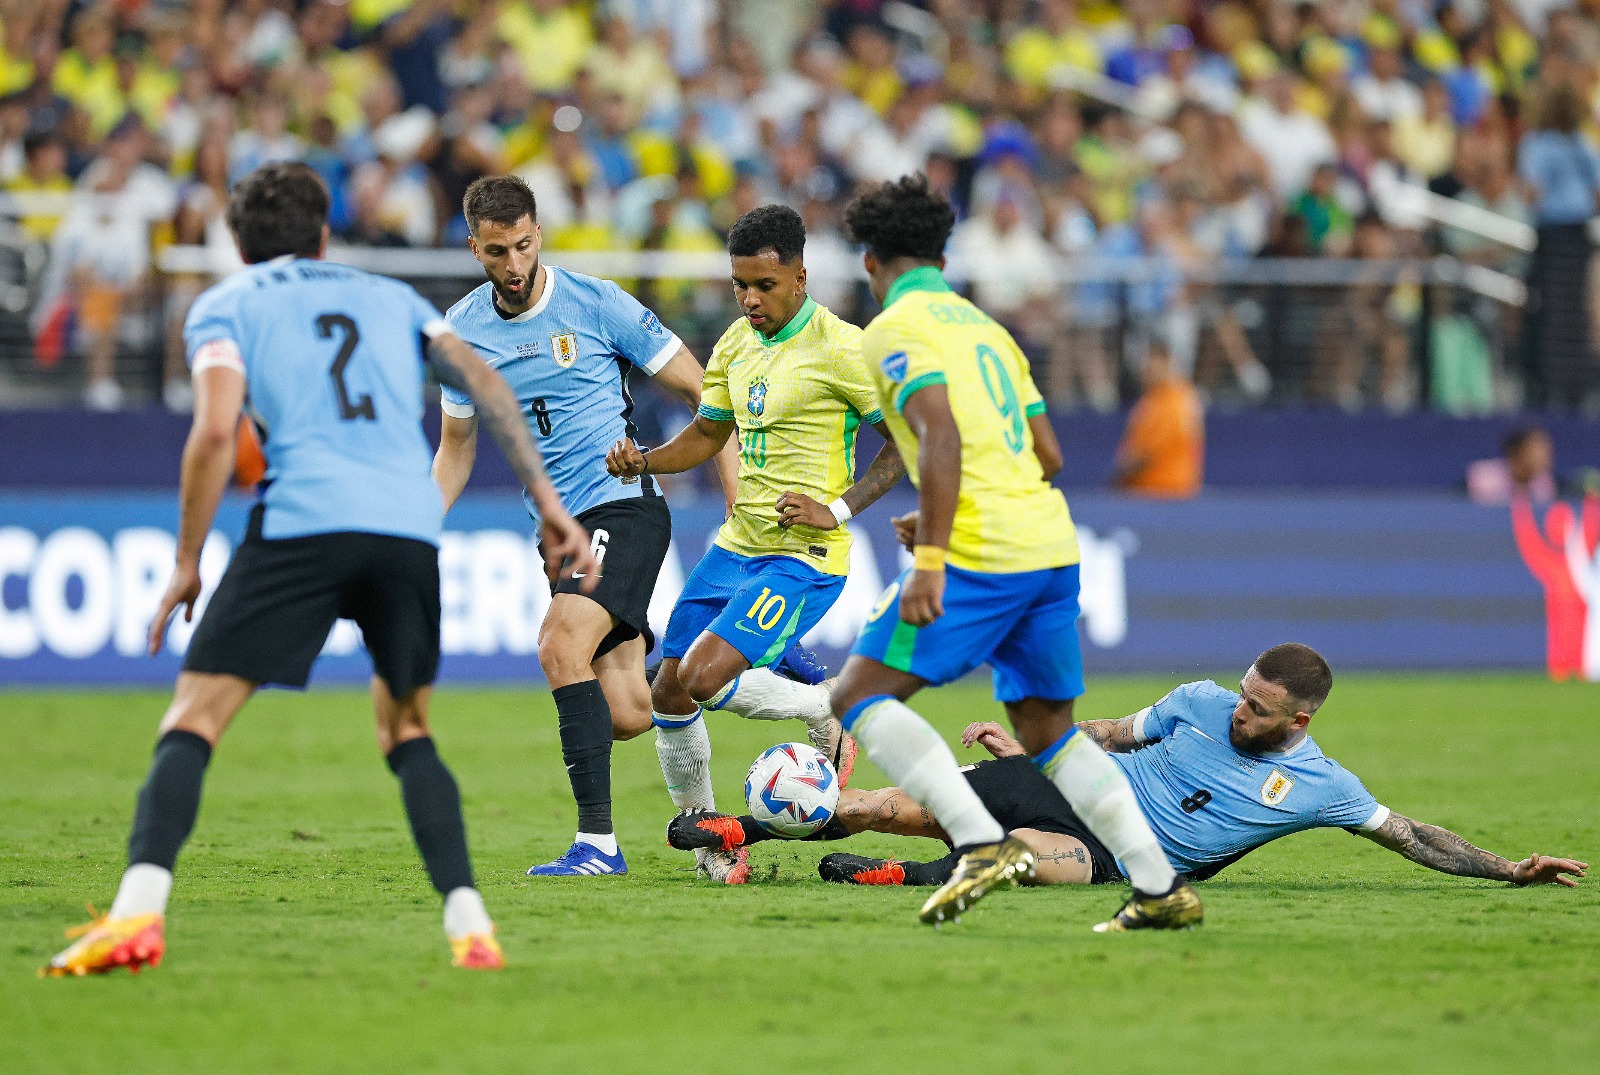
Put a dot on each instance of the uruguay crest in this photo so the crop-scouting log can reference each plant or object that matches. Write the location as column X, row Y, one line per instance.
column 564, row 347
column 758, row 398
column 1276, row 788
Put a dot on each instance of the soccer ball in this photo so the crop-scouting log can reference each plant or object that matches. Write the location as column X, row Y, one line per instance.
column 792, row 790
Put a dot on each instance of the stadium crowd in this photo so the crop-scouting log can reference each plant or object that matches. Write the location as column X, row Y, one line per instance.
column 1115, row 166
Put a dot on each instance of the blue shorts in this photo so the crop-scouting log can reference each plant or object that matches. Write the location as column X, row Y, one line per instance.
column 756, row 604
column 1025, row 625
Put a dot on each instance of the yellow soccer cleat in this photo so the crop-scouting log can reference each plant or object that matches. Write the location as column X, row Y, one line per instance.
column 1178, row 909
column 980, row 871
column 477, row 951
column 108, row 943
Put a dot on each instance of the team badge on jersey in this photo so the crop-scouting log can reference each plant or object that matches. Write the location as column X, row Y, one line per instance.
column 1276, row 788
column 652, row 323
column 565, row 348
column 758, row 398
column 895, row 365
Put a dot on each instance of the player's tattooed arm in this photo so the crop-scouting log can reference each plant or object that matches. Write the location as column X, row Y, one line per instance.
column 564, row 541
column 1440, row 849
column 1117, row 736
column 885, row 471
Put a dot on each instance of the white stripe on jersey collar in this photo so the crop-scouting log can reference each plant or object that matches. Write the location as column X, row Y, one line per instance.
column 544, row 299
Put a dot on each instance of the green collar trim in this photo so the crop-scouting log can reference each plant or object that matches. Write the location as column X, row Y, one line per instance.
column 801, row 318
column 922, row 278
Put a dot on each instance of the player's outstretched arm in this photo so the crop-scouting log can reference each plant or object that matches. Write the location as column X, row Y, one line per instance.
column 458, row 452
column 207, row 466
column 694, row 444
column 1116, row 736
column 1440, row 849
column 885, row 471
column 991, row 737
column 928, row 413
column 565, row 541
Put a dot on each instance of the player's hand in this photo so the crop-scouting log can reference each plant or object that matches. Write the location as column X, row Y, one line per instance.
column 922, row 598
column 184, row 589
column 567, row 543
column 991, row 737
column 625, row 460
column 1544, row 870
column 905, row 528
column 798, row 508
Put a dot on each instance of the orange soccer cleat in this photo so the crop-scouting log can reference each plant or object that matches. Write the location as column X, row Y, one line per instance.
column 108, row 943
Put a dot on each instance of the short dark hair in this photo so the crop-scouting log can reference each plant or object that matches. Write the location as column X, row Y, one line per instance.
column 1518, row 439
column 902, row 219
column 1298, row 669
column 499, row 199
column 768, row 227
column 280, row 208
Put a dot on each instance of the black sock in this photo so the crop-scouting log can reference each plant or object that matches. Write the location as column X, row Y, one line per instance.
column 433, row 806
column 169, row 800
column 585, row 724
column 753, row 832
column 936, row 872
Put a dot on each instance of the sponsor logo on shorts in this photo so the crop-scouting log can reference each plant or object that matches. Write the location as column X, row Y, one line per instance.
column 1276, row 788
column 564, row 346
column 652, row 323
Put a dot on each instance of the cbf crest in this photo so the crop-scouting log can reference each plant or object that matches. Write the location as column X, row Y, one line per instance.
column 564, row 348
column 1276, row 788
column 758, row 397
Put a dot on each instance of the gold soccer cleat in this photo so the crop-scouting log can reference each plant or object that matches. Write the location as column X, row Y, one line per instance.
column 1178, row 909
column 108, row 943
column 980, row 871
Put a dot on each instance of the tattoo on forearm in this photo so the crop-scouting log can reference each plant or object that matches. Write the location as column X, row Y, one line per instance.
column 884, row 474
column 1115, row 736
column 1440, row 849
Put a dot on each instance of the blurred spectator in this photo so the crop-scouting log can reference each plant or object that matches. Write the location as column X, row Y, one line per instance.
column 1328, row 224
column 1162, row 452
column 394, row 194
column 1292, row 141
column 1058, row 38
column 45, row 172
column 1383, row 91
column 551, row 38
column 1562, row 170
column 1526, row 466
column 1426, row 143
column 1011, row 267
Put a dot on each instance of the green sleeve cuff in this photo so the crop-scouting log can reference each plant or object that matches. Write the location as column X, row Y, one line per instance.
column 915, row 385
column 715, row 414
column 873, row 418
column 1034, row 410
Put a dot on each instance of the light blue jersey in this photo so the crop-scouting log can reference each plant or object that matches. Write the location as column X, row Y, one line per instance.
column 1210, row 803
column 567, row 359
column 333, row 360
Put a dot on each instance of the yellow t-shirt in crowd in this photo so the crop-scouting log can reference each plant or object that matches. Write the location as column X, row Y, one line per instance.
column 1008, row 519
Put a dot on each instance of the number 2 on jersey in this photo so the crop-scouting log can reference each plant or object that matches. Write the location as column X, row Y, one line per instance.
column 361, row 408
column 1003, row 394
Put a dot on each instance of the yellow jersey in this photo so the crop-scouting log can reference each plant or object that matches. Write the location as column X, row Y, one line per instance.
column 1008, row 519
column 797, row 399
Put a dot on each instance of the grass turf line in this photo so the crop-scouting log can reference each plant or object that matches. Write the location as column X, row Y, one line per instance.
column 303, row 935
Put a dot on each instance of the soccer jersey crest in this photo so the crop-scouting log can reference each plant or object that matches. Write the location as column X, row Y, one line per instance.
column 1276, row 788
column 564, row 346
column 894, row 366
column 758, row 398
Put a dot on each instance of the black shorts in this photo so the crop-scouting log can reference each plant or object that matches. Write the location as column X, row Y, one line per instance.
column 279, row 599
column 1021, row 797
column 630, row 539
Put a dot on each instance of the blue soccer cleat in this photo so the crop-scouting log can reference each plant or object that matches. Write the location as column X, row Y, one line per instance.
column 581, row 860
column 800, row 665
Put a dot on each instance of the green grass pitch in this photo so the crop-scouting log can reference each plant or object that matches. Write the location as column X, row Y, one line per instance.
column 303, row 936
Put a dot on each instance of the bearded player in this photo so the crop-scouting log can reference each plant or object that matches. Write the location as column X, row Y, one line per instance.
column 994, row 577
column 789, row 376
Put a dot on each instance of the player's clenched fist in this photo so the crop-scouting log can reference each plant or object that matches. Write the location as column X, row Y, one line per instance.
column 798, row 508
column 922, row 598
column 625, row 460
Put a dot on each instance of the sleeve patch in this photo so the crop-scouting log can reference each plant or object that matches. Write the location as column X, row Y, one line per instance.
column 652, row 323
column 894, row 366
column 223, row 353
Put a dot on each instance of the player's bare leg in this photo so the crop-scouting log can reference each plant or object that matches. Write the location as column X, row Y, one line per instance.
column 621, row 676
column 1100, row 794
column 573, row 629
column 869, row 699
column 133, row 932
column 433, row 807
column 1062, row 860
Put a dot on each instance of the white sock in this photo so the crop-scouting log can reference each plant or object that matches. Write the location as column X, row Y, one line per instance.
column 1103, row 798
column 761, row 694
column 685, row 754
column 906, row 747
column 465, row 914
column 605, row 841
column 144, row 890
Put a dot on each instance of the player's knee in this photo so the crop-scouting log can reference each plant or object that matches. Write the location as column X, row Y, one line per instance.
column 701, row 683
column 629, row 721
column 562, row 662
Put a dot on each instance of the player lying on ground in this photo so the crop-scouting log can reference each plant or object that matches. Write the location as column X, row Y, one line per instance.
column 1218, row 774
column 568, row 345
column 788, row 376
column 994, row 577
column 347, row 526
